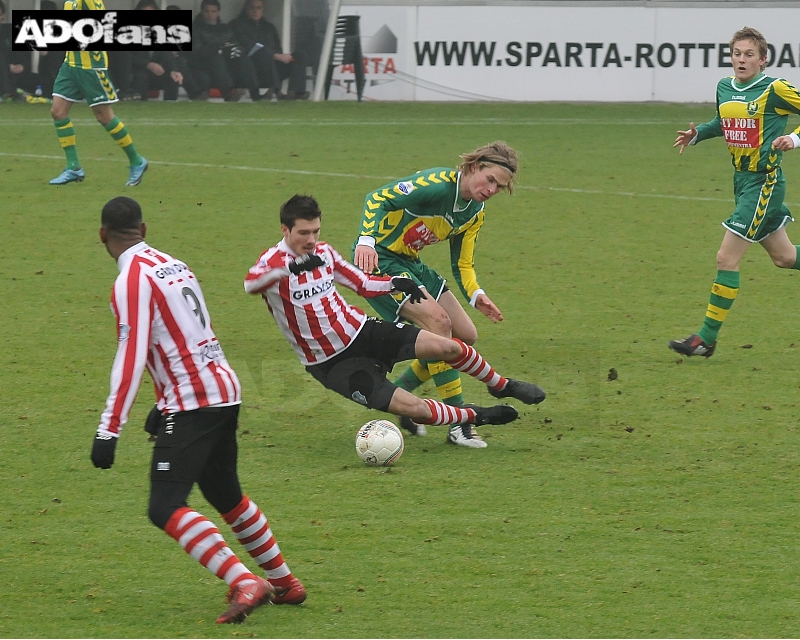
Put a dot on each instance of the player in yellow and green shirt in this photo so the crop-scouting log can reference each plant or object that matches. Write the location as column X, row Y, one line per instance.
column 399, row 220
column 84, row 76
column 752, row 110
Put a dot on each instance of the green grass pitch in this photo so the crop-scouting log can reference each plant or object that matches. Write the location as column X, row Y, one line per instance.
column 660, row 504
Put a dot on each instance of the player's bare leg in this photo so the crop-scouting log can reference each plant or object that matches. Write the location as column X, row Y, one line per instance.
column 780, row 249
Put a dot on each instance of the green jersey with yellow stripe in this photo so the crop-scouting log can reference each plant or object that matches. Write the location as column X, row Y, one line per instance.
column 750, row 118
column 406, row 216
column 86, row 59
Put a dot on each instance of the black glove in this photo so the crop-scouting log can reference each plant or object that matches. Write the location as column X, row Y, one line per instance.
column 153, row 418
column 103, row 451
column 307, row 262
column 407, row 285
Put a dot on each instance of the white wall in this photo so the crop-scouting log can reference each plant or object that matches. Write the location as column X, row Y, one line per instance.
column 561, row 51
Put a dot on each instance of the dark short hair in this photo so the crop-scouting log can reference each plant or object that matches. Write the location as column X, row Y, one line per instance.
column 121, row 214
column 206, row 3
column 173, row 7
column 304, row 207
column 143, row 4
column 48, row 5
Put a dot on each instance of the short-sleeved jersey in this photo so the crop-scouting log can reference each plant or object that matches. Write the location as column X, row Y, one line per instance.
column 750, row 118
column 86, row 59
column 406, row 216
column 163, row 324
column 308, row 309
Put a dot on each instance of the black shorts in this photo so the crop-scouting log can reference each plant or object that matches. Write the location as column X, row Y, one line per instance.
column 359, row 372
column 191, row 443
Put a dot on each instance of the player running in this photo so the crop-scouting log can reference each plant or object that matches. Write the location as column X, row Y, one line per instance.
column 752, row 109
column 84, row 76
column 402, row 218
column 342, row 348
column 163, row 324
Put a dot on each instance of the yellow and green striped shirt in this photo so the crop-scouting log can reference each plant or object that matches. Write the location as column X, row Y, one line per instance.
column 86, row 59
column 407, row 215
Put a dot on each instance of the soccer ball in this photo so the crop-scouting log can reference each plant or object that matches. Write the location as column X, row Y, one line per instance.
column 379, row 443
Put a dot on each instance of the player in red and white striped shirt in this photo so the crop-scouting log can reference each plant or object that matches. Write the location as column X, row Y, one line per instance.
column 342, row 348
column 163, row 324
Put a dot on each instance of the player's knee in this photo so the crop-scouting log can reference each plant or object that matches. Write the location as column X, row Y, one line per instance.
column 440, row 324
column 725, row 263
column 469, row 336
column 450, row 350
column 784, row 261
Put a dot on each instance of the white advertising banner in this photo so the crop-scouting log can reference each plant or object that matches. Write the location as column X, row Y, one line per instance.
column 552, row 53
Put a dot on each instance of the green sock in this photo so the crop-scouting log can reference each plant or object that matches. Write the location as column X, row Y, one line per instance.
column 66, row 137
column 723, row 293
column 416, row 374
column 797, row 259
column 448, row 383
column 121, row 136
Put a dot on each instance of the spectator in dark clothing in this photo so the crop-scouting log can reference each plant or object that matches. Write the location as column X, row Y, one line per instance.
column 166, row 70
column 262, row 45
column 217, row 59
column 169, row 71
column 15, row 66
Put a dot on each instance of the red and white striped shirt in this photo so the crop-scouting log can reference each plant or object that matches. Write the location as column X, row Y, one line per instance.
column 317, row 321
column 163, row 324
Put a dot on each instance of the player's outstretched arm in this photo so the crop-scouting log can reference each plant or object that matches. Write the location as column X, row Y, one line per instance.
column 685, row 138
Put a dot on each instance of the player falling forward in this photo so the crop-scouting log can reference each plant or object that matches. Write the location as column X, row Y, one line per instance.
column 84, row 76
column 752, row 110
column 342, row 348
column 163, row 324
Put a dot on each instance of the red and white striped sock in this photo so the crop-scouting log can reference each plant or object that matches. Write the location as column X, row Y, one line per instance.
column 442, row 413
column 252, row 530
column 472, row 363
column 202, row 540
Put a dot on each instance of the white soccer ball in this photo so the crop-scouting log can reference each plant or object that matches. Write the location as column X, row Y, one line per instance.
column 379, row 443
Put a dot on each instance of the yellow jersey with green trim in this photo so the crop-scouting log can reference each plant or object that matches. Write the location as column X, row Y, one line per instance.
column 750, row 118
column 86, row 59
column 406, row 216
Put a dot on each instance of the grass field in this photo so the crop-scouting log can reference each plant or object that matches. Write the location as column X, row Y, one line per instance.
column 661, row 504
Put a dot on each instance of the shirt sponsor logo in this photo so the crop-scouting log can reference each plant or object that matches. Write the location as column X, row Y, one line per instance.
column 419, row 236
column 312, row 290
column 741, row 132
column 406, row 187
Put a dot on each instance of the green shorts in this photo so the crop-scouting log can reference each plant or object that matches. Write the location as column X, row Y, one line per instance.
column 390, row 264
column 759, row 210
column 92, row 85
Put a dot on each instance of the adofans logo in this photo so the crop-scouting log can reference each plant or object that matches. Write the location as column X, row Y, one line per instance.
column 109, row 30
